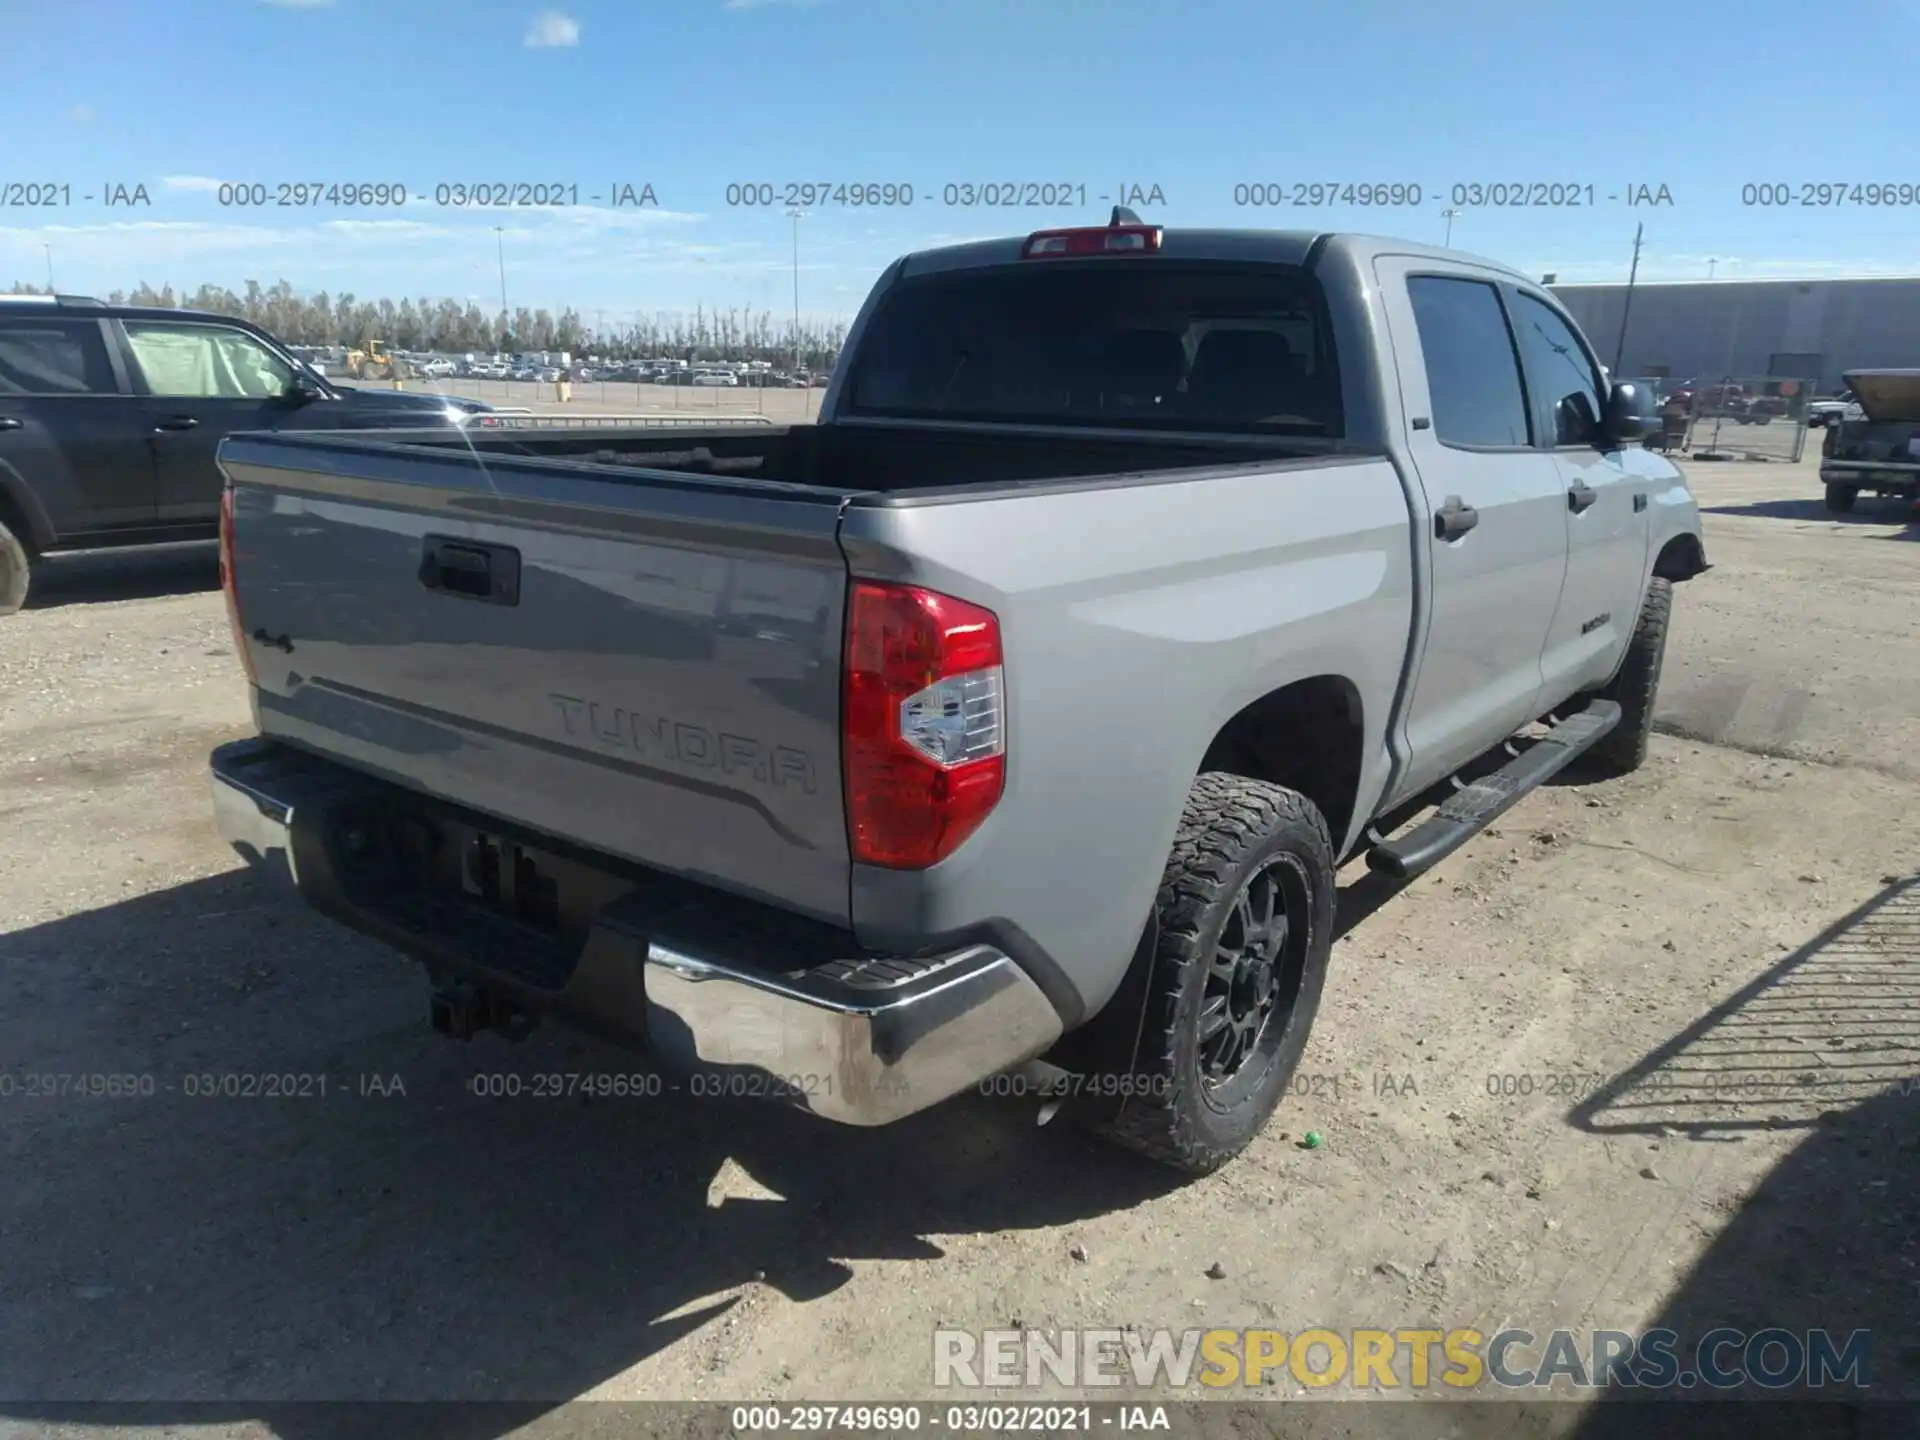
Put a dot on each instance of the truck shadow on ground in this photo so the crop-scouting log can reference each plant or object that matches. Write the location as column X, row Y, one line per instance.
column 100, row 575
column 380, row 1231
column 1825, row 1044
column 1867, row 511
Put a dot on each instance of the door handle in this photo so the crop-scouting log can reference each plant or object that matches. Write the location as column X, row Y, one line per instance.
column 1640, row 502
column 1581, row 497
column 1454, row 519
column 176, row 422
column 471, row 569
column 12, row 422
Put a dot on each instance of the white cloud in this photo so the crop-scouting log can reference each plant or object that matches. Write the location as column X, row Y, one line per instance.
column 191, row 182
column 552, row 30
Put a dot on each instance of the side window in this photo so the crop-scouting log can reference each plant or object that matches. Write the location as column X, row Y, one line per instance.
column 1560, row 369
column 206, row 362
column 54, row 357
column 1473, row 375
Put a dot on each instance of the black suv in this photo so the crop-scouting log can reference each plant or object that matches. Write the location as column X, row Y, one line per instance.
column 110, row 416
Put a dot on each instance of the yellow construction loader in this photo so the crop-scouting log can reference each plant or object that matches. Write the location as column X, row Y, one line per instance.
column 376, row 362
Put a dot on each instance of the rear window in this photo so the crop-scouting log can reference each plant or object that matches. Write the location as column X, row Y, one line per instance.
column 1105, row 343
column 48, row 356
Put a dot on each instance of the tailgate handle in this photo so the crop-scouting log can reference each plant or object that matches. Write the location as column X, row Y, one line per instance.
column 468, row 568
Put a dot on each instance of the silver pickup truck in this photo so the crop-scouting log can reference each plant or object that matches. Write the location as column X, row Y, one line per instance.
column 1019, row 710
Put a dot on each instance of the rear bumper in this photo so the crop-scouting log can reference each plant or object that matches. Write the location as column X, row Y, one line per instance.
column 854, row 1038
column 1893, row 475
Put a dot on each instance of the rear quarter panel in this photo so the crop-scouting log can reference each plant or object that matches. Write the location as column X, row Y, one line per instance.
column 1137, row 619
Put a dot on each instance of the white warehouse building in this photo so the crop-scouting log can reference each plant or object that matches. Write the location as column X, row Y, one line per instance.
column 1810, row 330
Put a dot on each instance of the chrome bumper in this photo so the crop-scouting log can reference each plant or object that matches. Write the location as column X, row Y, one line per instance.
column 887, row 1040
column 860, row 1041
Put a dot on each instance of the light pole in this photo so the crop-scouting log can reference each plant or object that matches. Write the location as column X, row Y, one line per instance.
column 49, row 250
column 1449, row 215
column 1710, row 265
column 796, row 214
column 500, row 251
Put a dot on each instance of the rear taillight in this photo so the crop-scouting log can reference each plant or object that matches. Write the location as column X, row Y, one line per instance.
column 1105, row 240
column 925, row 723
column 229, row 583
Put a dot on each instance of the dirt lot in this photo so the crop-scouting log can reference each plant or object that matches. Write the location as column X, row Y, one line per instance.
column 783, row 407
column 1637, row 1054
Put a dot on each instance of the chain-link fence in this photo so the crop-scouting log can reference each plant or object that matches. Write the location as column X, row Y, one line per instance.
column 1738, row 418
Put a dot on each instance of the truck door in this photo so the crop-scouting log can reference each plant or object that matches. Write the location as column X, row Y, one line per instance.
column 1606, row 508
column 1491, row 515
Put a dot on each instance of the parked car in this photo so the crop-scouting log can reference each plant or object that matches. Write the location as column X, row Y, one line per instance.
column 711, row 378
column 1875, row 446
column 110, row 416
column 822, row 767
column 1822, row 413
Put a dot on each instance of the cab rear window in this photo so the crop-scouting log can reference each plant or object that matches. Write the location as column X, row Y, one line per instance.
column 1105, row 343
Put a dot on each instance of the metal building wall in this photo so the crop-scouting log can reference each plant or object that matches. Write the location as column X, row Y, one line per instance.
column 1706, row 329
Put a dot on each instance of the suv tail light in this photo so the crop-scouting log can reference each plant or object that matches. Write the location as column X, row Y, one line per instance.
column 229, row 584
column 924, row 743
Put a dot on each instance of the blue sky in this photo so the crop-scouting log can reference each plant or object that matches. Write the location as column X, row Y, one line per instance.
column 689, row 96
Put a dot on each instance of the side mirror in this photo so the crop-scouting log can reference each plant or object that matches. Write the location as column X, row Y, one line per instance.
column 303, row 388
column 1632, row 413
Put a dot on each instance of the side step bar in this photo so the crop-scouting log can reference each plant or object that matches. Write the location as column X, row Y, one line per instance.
column 1472, row 808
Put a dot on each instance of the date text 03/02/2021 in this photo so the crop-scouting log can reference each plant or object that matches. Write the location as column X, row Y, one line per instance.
column 1374, row 193
column 952, row 194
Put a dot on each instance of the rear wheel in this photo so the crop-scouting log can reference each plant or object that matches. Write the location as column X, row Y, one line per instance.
column 16, row 571
column 1840, row 498
column 1245, row 927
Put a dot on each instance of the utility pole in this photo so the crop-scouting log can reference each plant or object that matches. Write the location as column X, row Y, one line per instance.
column 796, row 214
column 1449, row 215
column 49, row 250
column 1626, row 307
column 500, row 250
column 1710, row 265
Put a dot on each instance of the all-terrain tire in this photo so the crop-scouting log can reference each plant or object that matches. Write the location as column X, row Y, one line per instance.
column 1635, row 687
column 1840, row 498
column 16, row 571
column 1236, row 836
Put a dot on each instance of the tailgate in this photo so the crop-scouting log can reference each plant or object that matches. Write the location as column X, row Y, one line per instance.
column 641, row 663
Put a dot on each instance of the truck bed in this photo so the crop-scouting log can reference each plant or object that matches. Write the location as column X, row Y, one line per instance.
column 864, row 458
column 627, row 640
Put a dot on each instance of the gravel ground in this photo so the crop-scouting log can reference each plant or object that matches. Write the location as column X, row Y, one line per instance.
column 1639, row 1053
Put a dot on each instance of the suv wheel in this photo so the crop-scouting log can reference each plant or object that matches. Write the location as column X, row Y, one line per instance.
column 1840, row 498
column 16, row 570
column 1246, row 924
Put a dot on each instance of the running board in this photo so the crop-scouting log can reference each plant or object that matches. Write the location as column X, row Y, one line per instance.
column 1472, row 808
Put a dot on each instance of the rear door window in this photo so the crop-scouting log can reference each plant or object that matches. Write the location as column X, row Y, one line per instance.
column 53, row 356
column 1105, row 343
column 1473, row 371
